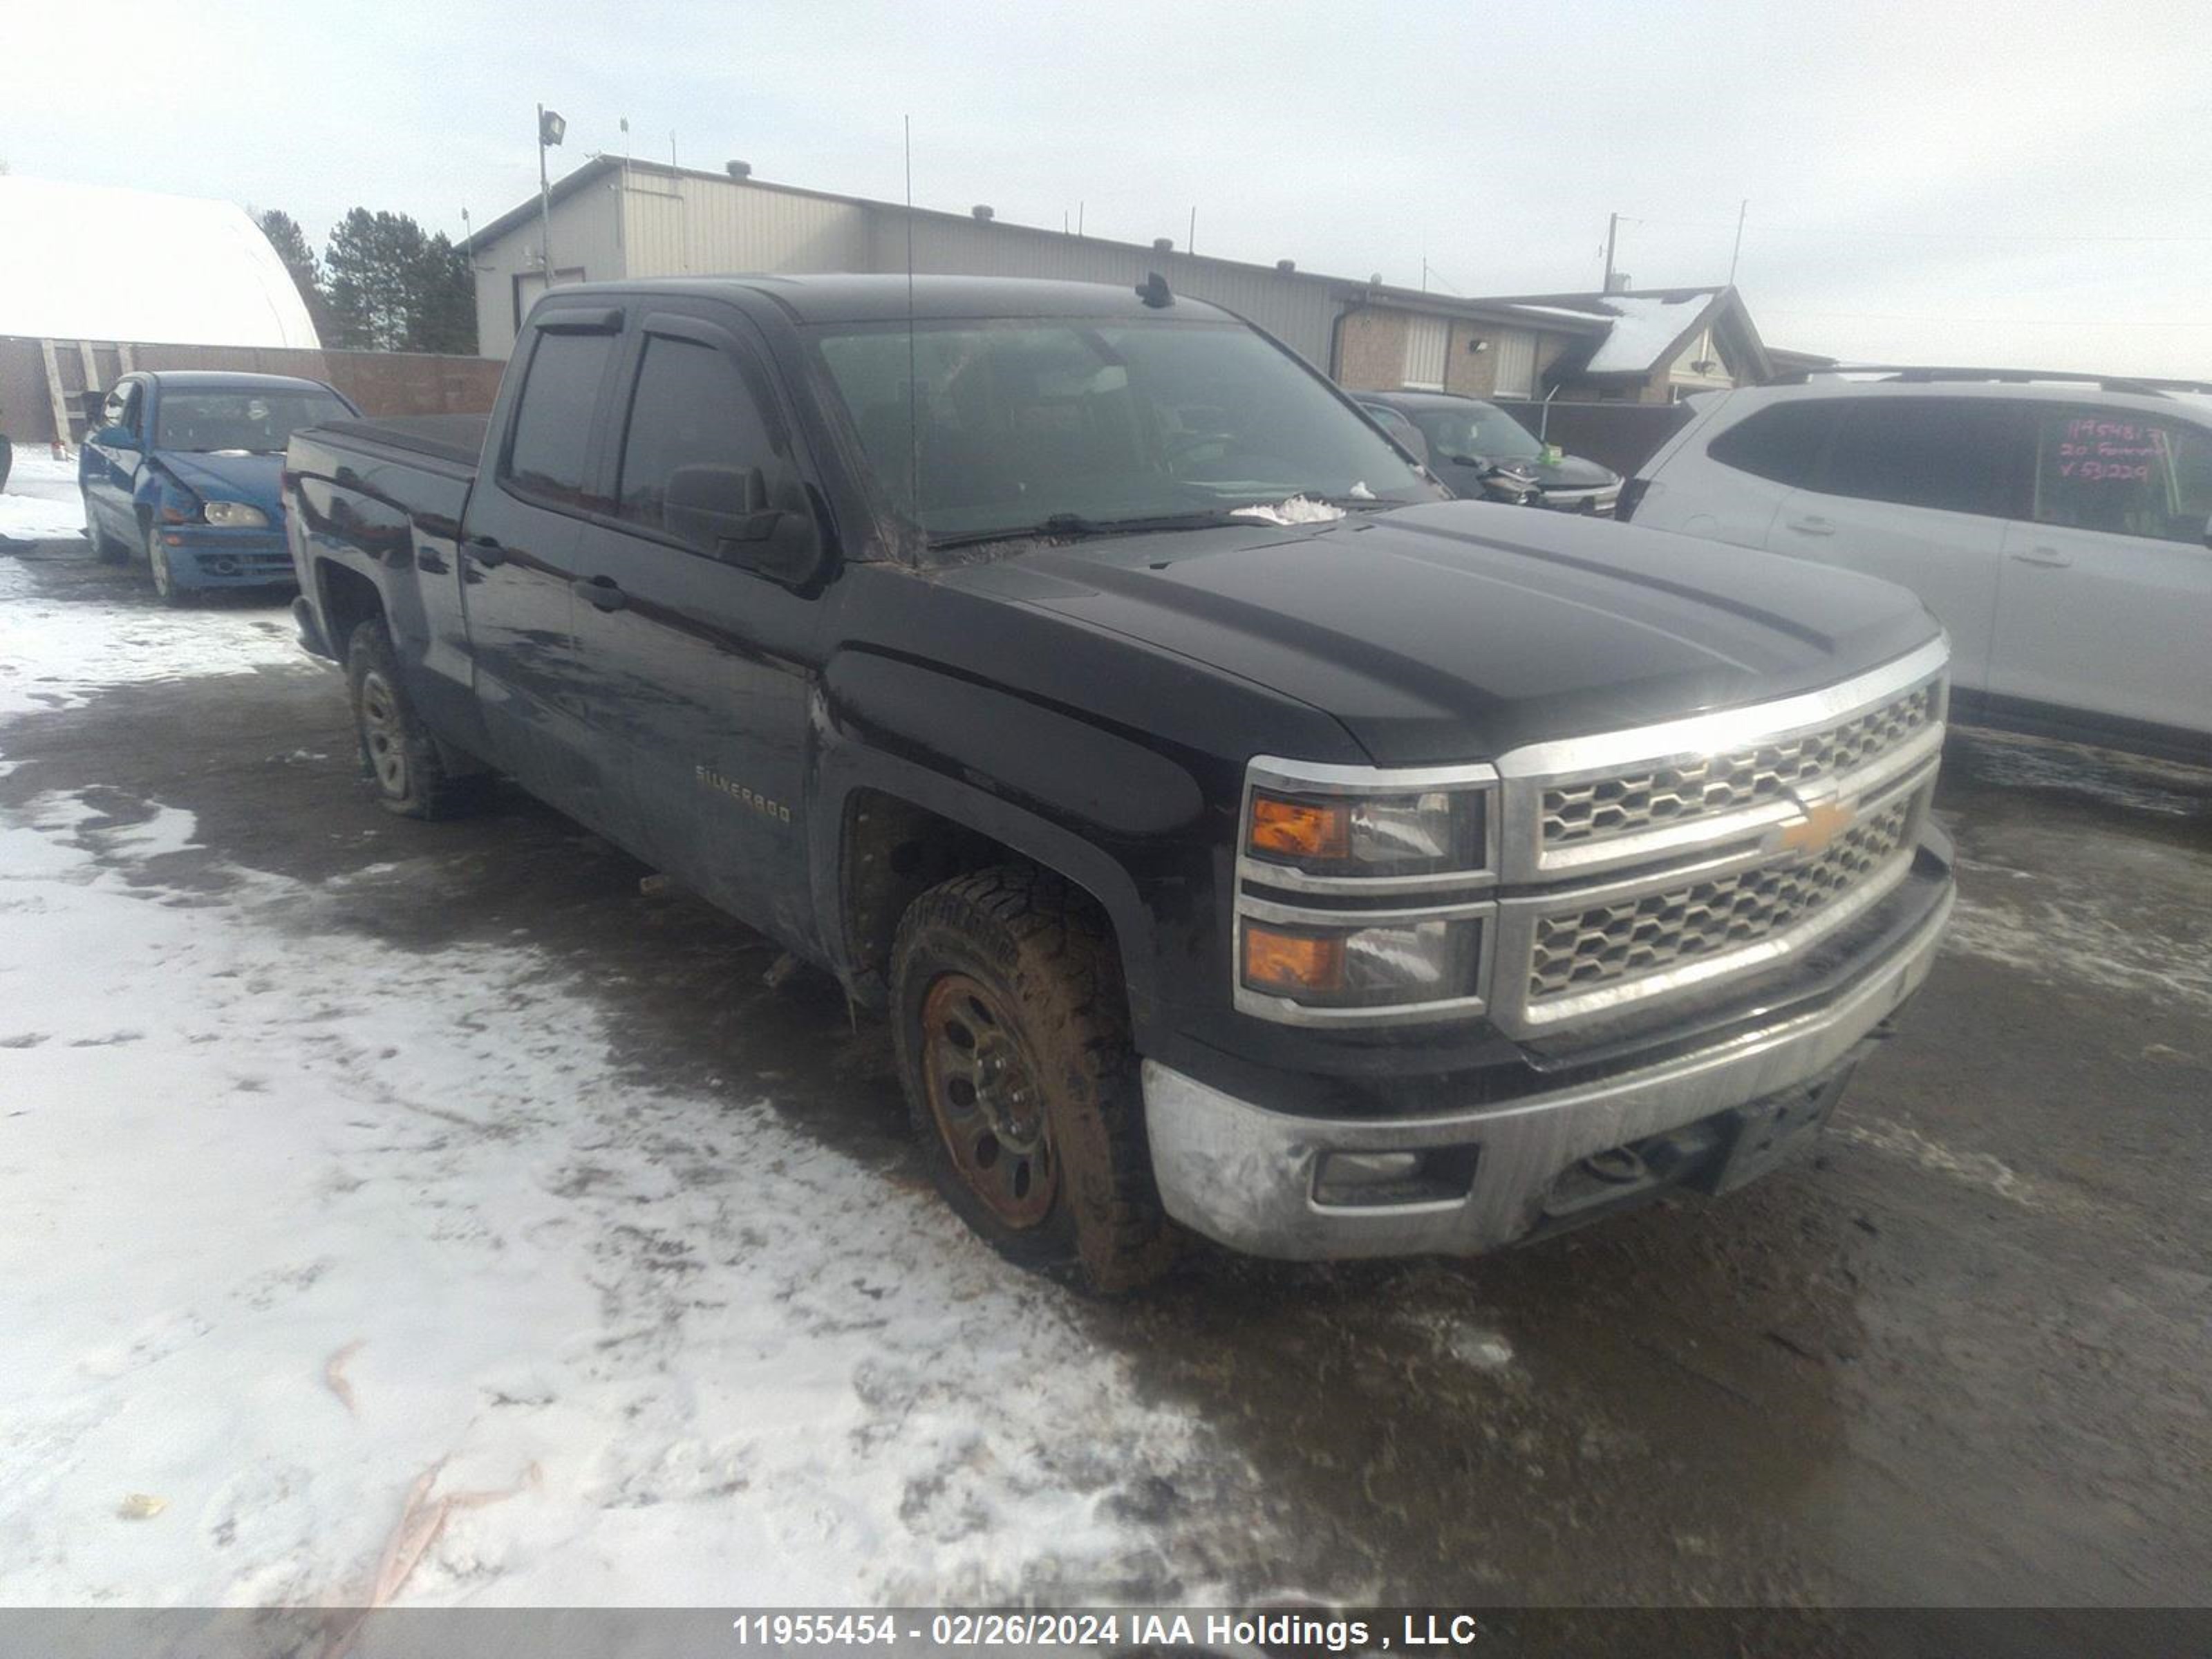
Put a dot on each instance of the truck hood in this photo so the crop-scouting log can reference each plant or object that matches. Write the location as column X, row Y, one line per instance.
column 248, row 478
column 1460, row 630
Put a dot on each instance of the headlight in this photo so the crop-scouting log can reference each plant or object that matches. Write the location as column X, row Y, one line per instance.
column 236, row 515
column 1377, row 964
column 1433, row 832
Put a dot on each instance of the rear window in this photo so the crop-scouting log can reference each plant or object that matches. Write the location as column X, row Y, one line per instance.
column 553, row 427
column 1781, row 441
column 1955, row 453
column 2123, row 473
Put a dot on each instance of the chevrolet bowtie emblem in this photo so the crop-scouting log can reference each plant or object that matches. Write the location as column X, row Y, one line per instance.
column 1822, row 823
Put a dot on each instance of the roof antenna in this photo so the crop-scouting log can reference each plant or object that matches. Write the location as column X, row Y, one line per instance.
column 912, row 379
column 1153, row 291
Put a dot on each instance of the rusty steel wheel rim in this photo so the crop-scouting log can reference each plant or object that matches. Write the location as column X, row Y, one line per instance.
column 982, row 1089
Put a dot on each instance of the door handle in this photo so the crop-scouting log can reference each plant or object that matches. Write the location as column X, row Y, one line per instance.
column 602, row 591
column 1812, row 526
column 2049, row 558
column 487, row 551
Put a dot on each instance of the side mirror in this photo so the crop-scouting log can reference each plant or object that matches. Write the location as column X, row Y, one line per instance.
column 116, row 437
column 89, row 403
column 733, row 513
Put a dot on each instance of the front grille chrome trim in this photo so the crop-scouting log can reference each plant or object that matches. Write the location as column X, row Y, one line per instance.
column 1528, row 772
column 1520, row 1014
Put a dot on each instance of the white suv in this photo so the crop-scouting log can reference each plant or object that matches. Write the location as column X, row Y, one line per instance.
column 2061, row 531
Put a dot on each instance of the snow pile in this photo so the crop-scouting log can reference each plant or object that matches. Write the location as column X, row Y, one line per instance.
column 1298, row 509
column 55, row 650
column 41, row 501
column 92, row 273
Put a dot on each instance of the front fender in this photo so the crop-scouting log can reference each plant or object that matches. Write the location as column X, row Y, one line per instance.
column 1126, row 823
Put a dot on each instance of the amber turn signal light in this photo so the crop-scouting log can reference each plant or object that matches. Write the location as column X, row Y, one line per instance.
column 1289, row 963
column 1300, row 828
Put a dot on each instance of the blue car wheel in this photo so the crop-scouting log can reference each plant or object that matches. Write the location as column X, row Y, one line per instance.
column 157, row 565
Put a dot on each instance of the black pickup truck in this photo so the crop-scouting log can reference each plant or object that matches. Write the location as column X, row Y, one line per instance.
column 1240, row 833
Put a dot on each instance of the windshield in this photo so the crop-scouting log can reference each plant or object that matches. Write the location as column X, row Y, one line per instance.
column 1029, row 420
column 240, row 422
column 1481, row 432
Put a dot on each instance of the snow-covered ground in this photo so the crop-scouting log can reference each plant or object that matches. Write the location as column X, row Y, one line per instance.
column 41, row 500
column 336, row 1271
column 56, row 652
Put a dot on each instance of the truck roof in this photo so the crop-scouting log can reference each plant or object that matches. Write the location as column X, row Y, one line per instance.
column 881, row 298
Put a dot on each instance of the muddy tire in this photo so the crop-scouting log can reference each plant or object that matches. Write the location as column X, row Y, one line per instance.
column 1012, row 1029
column 405, row 764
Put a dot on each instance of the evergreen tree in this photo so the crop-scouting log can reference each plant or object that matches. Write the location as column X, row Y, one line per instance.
column 390, row 288
column 444, row 314
column 290, row 242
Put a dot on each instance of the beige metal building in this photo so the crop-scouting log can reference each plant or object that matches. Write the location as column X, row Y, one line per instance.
column 614, row 218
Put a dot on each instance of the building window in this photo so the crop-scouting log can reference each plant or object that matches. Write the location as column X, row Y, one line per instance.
column 1516, row 375
column 1427, row 340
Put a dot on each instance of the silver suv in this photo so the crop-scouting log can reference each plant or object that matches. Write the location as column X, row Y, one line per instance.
column 2061, row 528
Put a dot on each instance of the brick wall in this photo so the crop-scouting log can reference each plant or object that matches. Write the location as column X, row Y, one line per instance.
column 1370, row 348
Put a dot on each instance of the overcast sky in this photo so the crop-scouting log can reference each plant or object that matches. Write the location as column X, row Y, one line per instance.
column 2012, row 182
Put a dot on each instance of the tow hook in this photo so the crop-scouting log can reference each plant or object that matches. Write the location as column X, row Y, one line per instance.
column 1618, row 1166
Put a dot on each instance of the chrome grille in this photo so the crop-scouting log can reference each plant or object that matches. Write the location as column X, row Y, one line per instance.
column 1593, row 945
column 1650, row 797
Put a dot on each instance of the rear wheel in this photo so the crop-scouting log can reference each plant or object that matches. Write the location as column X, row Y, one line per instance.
column 1011, row 1024
column 406, row 763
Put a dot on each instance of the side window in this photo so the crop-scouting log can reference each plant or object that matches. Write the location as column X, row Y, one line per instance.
column 1781, row 442
column 2113, row 471
column 553, row 425
column 697, row 449
column 1955, row 453
column 112, row 411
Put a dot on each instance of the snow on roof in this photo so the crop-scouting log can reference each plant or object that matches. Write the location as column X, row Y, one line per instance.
column 1647, row 324
column 89, row 262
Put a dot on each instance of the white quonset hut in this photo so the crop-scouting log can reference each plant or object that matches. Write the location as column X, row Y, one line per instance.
column 91, row 262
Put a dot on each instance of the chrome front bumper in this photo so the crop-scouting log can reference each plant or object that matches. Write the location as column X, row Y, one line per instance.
column 1244, row 1175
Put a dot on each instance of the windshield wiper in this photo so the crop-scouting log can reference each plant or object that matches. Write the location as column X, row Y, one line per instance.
column 1074, row 526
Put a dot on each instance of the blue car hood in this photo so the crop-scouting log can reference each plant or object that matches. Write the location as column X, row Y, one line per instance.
column 248, row 478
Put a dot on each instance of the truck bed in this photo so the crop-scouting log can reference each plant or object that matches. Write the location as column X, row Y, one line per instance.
column 456, row 439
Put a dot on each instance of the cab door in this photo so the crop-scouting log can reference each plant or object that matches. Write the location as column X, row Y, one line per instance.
column 2105, row 604
column 700, row 671
column 518, row 552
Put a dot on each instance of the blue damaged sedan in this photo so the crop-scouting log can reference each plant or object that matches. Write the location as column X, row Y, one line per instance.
column 182, row 471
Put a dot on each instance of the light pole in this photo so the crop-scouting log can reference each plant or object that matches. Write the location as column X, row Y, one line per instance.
column 550, row 129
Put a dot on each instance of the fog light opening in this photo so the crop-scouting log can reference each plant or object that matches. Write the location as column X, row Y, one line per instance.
column 1375, row 1180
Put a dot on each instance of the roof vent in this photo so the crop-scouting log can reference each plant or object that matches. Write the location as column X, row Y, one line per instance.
column 1286, row 266
column 1164, row 245
column 982, row 212
column 739, row 169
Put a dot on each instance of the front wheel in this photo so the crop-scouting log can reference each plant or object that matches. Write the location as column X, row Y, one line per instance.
column 157, row 566
column 1011, row 1025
